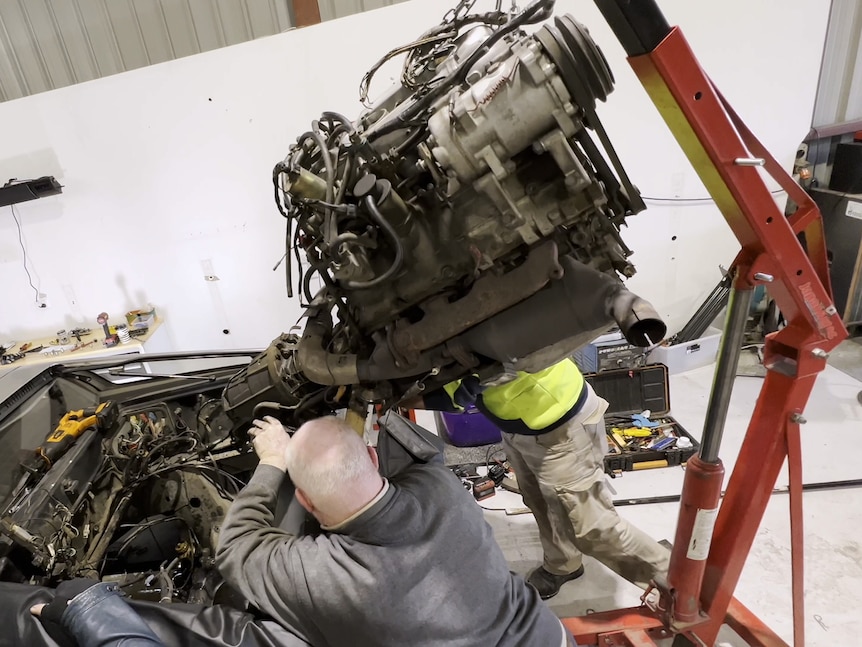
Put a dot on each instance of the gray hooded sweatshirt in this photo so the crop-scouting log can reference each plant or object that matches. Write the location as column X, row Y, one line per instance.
column 419, row 567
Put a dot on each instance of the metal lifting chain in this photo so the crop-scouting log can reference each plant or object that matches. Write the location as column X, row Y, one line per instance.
column 459, row 11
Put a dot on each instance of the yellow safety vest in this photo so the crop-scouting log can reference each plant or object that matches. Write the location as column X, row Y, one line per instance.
column 533, row 403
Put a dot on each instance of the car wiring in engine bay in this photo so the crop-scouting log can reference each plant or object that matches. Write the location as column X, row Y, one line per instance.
column 139, row 504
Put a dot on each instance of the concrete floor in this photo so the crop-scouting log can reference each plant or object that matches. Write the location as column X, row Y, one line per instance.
column 848, row 357
column 832, row 451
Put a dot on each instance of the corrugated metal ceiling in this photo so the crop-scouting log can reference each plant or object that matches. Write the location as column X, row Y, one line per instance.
column 330, row 9
column 47, row 44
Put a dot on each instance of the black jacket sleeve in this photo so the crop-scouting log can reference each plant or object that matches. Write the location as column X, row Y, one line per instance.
column 99, row 617
column 263, row 562
column 455, row 396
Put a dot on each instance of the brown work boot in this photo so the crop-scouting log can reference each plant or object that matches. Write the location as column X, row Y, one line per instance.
column 548, row 584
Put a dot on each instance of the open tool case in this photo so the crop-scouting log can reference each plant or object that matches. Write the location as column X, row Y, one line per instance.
column 629, row 392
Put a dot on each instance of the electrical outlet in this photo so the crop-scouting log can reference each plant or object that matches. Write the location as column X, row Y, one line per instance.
column 209, row 273
column 42, row 300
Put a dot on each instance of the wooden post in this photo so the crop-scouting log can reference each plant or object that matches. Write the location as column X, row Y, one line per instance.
column 305, row 12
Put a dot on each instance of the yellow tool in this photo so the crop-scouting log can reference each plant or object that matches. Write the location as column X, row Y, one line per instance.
column 634, row 432
column 71, row 426
column 619, row 439
column 648, row 465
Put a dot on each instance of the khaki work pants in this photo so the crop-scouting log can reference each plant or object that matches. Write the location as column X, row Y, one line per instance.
column 561, row 478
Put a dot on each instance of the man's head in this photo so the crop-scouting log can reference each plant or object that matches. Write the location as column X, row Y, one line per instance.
column 334, row 471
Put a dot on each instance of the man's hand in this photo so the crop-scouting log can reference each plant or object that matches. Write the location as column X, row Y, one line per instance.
column 51, row 614
column 270, row 440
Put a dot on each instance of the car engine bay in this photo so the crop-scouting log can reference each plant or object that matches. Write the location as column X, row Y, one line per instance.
column 137, row 502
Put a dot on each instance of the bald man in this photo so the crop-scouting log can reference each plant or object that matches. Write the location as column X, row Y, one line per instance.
column 409, row 561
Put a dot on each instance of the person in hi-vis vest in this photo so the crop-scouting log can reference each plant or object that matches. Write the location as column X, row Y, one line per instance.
column 554, row 437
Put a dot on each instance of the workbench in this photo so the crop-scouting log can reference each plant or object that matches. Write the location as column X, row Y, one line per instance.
column 15, row 374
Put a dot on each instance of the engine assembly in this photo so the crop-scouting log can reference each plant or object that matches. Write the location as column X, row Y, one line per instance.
column 470, row 203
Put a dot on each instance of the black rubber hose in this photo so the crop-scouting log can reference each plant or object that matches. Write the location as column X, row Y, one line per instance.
column 345, row 180
column 380, row 221
column 279, row 168
column 298, row 257
column 306, row 284
column 536, row 11
column 327, row 160
column 329, row 228
column 337, row 116
column 340, row 129
column 288, row 261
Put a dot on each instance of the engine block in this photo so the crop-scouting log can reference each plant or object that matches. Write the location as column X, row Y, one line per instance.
column 480, row 189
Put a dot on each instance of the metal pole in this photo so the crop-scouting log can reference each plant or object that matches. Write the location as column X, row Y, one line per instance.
column 725, row 373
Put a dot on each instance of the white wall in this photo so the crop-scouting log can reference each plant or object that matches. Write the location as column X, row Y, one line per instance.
column 167, row 168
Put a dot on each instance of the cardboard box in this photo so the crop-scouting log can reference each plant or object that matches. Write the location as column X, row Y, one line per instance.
column 138, row 319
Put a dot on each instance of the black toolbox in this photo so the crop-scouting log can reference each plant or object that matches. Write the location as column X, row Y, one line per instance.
column 633, row 391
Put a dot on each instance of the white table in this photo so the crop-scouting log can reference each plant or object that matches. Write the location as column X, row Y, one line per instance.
column 15, row 375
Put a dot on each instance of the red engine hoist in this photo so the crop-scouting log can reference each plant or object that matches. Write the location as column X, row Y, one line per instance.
column 788, row 254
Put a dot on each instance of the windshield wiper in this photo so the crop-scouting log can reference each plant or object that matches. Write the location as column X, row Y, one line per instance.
column 124, row 373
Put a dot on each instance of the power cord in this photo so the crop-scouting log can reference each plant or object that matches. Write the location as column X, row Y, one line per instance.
column 489, row 455
column 24, row 250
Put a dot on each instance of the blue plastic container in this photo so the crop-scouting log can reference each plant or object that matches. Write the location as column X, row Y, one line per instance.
column 470, row 428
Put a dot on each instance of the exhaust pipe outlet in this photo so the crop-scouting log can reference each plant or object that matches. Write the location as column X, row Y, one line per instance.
column 637, row 319
column 562, row 317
